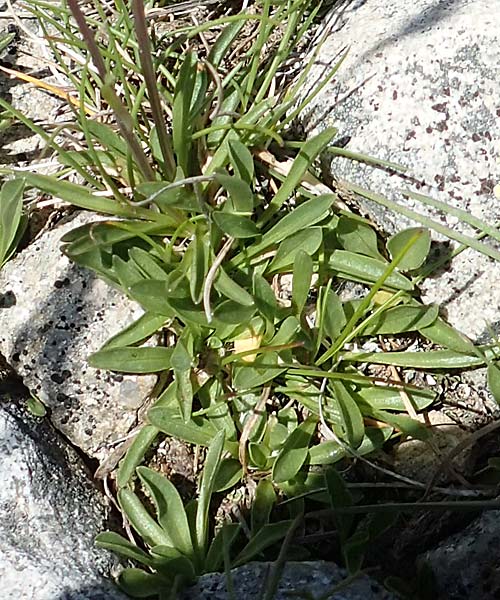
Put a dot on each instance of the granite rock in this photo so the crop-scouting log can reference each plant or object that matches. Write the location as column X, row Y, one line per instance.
column 420, row 87
column 53, row 314
column 310, row 579
column 49, row 515
column 465, row 565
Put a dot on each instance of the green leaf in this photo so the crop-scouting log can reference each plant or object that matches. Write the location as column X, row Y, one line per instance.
column 301, row 284
column 104, row 234
column 198, row 431
column 233, row 313
column 264, row 368
column 152, row 296
column 36, row 407
column 365, row 269
column 184, row 393
column 265, row 298
column 163, row 195
column 222, row 541
column 229, row 288
column 188, row 312
column 196, row 257
column 303, row 216
column 328, row 453
column 277, row 434
column 126, row 272
column 236, row 226
column 132, row 360
column 223, row 42
column 307, row 240
column 181, row 358
column 352, row 419
column 304, row 160
column 169, row 509
column 265, row 537
column 445, row 335
column 356, row 236
column 242, row 162
column 264, row 501
column 406, row 425
column 182, row 124
column 174, row 565
column 401, row 319
column 339, row 498
column 229, row 474
column 240, row 194
column 493, row 374
column 116, row 543
column 78, row 195
column 212, row 398
column 135, row 454
column 139, row 584
column 11, row 206
column 108, row 138
column 294, row 452
column 353, row 550
column 333, row 317
column 389, row 398
column 141, row 520
column 434, row 359
column 147, row 264
column 207, row 486
column 141, row 329
column 258, row 452
column 287, row 331
column 418, row 252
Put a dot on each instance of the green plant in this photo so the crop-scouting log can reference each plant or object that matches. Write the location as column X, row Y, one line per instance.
column 222, row 233
column 180, row 547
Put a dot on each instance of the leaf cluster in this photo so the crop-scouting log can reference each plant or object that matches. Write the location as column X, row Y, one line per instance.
column 238, row 261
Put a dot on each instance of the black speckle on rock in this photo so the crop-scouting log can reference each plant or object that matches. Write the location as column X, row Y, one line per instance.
column 56, row 378
column 65, row 400
column 476, row 137
column 8, row 299
column 486, row 188
column 440, row 107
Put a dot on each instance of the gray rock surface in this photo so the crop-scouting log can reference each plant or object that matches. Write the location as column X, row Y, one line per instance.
column 49, row 515
column 466, row 564
column 27, row 53
column 53, row 314
column 421, row 87
column 311, row 579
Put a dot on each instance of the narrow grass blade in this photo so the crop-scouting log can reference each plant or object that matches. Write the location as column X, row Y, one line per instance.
column 305, row 158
